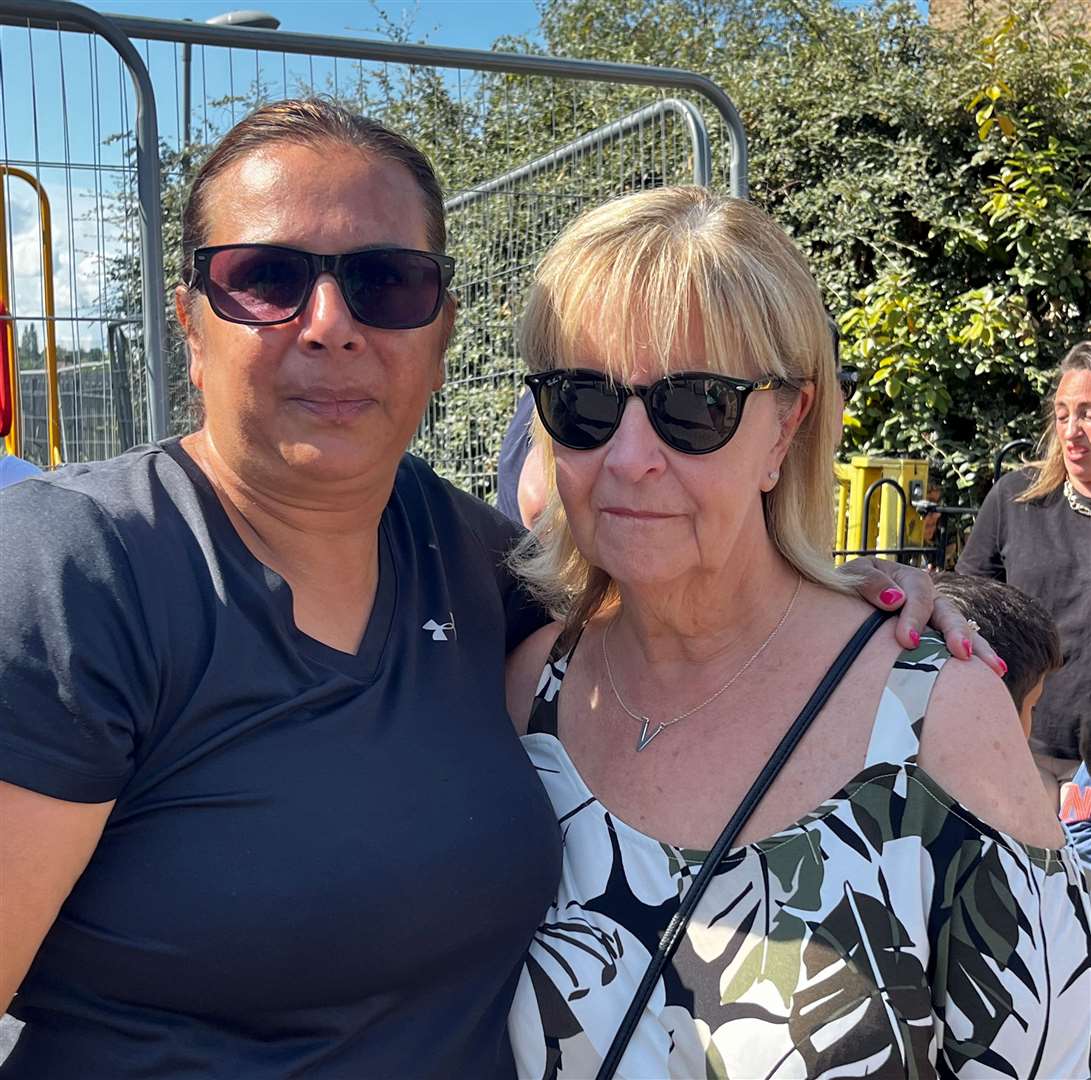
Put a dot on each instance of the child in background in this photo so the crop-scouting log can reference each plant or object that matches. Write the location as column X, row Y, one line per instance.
column 1016, row 626
column 1024, row 634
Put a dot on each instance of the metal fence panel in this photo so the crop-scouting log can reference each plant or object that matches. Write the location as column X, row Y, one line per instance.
column 75, row 127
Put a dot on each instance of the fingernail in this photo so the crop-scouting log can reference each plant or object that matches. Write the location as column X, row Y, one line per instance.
column 891, row 596
column 1003, row 666
column 915, row 638
column 967, row 646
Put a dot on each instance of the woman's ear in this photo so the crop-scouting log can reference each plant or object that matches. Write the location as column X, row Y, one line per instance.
column 448, row 314
column 790, row 421
column 189, row 331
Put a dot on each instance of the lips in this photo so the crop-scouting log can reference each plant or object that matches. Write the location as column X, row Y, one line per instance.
column 639, row 515
column 338, row 406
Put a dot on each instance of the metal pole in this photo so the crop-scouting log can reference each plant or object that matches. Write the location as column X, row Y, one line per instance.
column 429, row 56
column 187, row 60
column 64, row 15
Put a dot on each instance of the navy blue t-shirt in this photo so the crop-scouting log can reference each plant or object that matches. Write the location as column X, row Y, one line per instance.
column 319, row 864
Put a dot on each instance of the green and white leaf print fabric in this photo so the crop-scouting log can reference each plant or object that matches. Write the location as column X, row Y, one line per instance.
column 889, row 933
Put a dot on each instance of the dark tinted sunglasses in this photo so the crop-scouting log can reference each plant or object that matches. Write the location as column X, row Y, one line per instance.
column 694, row 412
column 265, row 284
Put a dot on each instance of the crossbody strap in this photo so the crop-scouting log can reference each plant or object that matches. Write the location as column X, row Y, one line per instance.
column 676, row 928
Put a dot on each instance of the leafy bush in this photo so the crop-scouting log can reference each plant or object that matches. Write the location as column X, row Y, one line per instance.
column 938, row 183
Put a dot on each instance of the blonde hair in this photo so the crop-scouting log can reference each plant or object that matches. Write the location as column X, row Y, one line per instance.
column 1050, row 465
column 662, row 257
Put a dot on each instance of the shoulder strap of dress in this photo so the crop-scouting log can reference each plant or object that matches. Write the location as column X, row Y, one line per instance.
column 899, row 720
column 543, row 711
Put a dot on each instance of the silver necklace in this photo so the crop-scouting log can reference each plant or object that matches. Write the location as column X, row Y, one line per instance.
column 647, row 733
column 1070, row 495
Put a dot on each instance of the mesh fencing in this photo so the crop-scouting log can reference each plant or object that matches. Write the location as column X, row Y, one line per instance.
column 68, row 117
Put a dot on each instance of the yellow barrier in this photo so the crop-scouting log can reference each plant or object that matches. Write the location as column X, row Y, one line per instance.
column 14, row 440
column 884, row 510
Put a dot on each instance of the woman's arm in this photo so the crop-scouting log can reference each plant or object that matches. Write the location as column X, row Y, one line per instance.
column 973, row 746
column 45, row 844
column 1012, row 950
column 983, row 556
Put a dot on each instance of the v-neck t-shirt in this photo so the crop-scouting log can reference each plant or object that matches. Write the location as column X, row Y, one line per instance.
column 299, row 877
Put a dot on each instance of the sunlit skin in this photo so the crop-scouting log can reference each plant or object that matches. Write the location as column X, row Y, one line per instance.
column 675, row 530
column 1072, row 415
column 322, row 397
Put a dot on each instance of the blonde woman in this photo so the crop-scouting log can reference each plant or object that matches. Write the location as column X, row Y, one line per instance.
column 1034, row 531
column 892, row 907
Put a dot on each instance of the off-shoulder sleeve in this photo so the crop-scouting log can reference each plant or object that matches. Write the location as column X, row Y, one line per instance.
column 78, row 681
column 1013, row 966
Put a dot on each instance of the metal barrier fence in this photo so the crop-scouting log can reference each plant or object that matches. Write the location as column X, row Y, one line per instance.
column 74, row 117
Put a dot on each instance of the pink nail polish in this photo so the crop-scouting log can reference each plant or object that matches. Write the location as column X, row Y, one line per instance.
column 1003, row 666
column 891, row 596
column 967, row 646
column 915, row 638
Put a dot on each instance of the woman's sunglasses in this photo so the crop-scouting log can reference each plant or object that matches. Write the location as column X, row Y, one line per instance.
column 265, row 284
column 694, row 412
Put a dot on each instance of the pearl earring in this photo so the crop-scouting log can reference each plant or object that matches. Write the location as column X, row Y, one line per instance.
column 774, row 475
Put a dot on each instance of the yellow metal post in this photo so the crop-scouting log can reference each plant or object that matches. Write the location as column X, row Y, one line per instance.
column 53, row 405
column 13, row 440
column 884, row 514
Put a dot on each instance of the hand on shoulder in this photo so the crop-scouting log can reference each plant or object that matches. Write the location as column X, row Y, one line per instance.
column 524, row 669
column 973, row 746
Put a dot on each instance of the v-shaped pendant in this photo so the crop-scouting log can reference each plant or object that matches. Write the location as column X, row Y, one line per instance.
column 644, row 737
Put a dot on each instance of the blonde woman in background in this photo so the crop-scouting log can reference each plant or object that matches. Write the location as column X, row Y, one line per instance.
column 1034, row 531
column 900, row 900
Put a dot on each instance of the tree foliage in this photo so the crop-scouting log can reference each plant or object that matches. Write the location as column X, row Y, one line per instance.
column 938, row 183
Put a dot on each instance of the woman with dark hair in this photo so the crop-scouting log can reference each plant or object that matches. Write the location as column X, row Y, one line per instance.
column 1034, row 531
column 264, row 814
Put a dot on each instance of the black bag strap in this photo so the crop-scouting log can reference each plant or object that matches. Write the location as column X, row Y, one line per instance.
column 668, row 943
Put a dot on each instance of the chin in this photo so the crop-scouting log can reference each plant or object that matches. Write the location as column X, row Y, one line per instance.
column 331, row 459
column 640, row 569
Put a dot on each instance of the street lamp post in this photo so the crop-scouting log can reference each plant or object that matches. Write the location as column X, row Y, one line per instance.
column 260, row 19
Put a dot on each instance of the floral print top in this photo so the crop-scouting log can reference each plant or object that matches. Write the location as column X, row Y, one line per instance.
column 888, row 933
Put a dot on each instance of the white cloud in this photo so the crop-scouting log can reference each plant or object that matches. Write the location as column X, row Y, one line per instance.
column 81, row 245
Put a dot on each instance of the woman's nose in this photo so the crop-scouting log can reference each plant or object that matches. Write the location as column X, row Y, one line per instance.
column 327, row 321
column 635, row 449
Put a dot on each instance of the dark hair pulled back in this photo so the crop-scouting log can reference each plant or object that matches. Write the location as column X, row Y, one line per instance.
column 308, row 122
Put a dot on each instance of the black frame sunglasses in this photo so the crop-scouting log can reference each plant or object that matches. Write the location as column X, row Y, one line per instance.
column 693, row 412
column 385, row 287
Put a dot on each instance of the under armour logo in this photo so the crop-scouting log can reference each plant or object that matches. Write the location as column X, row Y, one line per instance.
column 439, row 630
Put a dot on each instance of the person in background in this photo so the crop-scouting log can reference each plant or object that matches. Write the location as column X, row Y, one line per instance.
column 520, row 478
column 1018, row 626
column 1034, row 531
column 13, row 469
column 1076, row 806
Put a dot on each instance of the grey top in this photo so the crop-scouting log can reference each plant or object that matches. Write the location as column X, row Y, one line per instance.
column 1043, row 548
column 319, row 864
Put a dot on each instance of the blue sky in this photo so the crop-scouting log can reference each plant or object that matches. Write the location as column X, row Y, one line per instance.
column 471, row 24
